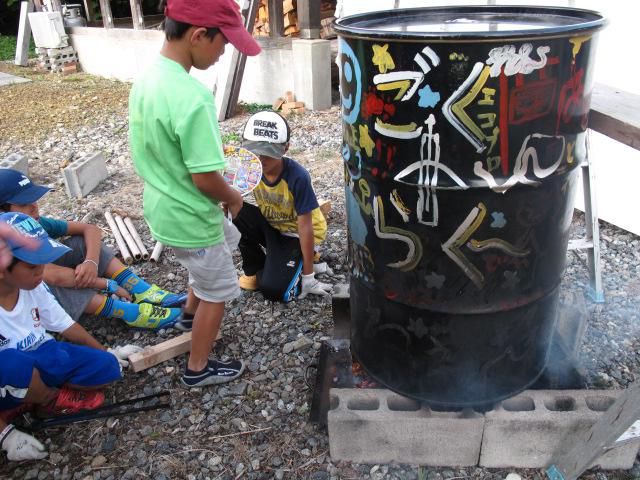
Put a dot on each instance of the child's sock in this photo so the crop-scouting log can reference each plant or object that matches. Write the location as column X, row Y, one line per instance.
column 143, row 292
column 130, row 281
column 111, row 308
column 142, row 315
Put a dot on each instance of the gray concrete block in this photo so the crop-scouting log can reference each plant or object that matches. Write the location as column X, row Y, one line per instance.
column 311, row 63
column 525, row 431
column 379, row 426
column 17, row 162
column 84, row 174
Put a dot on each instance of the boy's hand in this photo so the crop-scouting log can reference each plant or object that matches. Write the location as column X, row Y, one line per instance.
column 20, row 446
column 10, row 233
column 112, row 287
column 234, row 206
column 122, row 353
column 86, row 274
column 313, row 286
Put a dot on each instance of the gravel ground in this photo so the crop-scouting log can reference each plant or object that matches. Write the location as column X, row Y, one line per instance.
column 256, row 427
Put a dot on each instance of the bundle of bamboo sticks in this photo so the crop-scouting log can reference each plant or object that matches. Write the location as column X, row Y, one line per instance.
column 128, row 240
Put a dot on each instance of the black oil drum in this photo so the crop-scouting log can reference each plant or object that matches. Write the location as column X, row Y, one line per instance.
column 463, row 132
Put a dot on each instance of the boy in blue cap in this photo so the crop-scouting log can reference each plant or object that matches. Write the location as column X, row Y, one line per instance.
column 55, row 377
column 89, row 266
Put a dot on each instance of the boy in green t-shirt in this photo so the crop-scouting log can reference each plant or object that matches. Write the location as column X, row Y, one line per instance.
column 177, row 149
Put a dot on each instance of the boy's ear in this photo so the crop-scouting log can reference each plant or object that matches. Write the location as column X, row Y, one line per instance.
column 197, row 34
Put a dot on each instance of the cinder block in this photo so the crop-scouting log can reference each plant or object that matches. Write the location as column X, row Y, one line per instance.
column 84, row 174
column 17, row 162
column 525, row 431
column 379, row 426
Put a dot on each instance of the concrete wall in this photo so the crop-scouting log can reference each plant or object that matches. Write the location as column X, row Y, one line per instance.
column 115, row 53
column 123, row 54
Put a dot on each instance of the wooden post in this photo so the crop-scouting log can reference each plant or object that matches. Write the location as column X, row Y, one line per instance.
column 238, row 72
column 276, row 22
column 24, row 34
column 54, row 5
column 136, row 15
column 107, row 17
column 309, row 19
column 88, row 10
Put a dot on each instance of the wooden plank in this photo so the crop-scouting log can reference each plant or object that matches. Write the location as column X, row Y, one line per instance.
column 136, row 15
column 309, row 18
column 161, row 352
column 599, row 438
column 616, row 114
column 276, row 22
column 249, row 15
column 107, row 17
column 24, row 34
column 325, row 207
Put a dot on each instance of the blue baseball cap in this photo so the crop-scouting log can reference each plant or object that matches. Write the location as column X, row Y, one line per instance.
column 16, row 188
column 48, row 250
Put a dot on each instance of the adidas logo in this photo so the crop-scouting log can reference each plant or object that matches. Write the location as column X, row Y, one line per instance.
column 3, row 341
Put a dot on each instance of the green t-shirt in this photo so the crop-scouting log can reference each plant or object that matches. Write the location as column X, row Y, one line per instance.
column 173, row 132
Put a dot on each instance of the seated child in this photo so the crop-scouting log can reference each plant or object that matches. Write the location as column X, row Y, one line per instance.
column 287, row 221
column 89, row 266
column 54, row 377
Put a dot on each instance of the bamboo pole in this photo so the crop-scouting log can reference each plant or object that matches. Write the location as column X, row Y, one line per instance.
column 136, row 237
column 157, row 251
column 131, row 243
column 122, row 246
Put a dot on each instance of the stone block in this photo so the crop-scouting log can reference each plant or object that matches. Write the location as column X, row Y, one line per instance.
column 525, row 431
column 311, row 63
column 84, row 174
column 379, row 426
column 17, row 162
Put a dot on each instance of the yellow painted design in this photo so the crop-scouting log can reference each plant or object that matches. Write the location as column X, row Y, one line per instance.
column 493, row 163
column 499, row 244
column 488, row 93
column 490, row 119
column 493, row 139
column 454, row 248
column 570, row 158
column 406, row 127
column 401, row 85
column 460, row 105
column 365, row 140
column 458, row 56
column 577, row 43
column 363, row 199
column 382, row 58
column 409, row 264
column 399, row 202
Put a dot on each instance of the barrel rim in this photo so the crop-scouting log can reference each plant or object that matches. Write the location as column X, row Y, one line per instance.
column 586, row 21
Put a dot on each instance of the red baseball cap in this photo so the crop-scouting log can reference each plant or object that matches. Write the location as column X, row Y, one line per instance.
column 222, row 14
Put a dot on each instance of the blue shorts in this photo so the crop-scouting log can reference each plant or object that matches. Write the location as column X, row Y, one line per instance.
column 58, row 363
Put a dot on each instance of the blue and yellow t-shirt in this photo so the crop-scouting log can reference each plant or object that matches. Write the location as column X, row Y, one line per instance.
column 289, row 196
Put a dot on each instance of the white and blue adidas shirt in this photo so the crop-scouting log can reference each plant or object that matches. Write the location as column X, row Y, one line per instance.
column 25, row 327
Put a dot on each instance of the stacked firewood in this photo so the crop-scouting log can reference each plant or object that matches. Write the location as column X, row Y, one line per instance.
column 291, row 28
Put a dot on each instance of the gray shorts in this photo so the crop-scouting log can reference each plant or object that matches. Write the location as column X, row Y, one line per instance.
column 75, row 300
column 212, row 275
